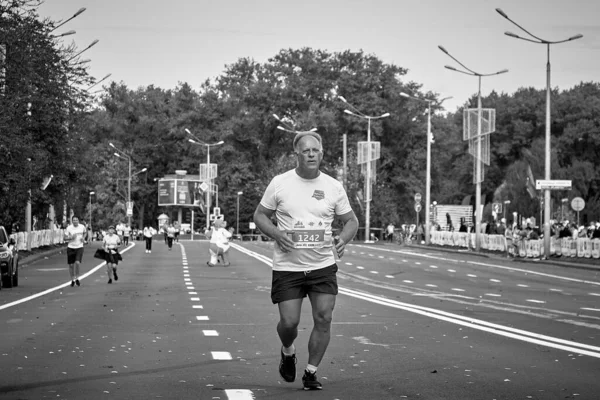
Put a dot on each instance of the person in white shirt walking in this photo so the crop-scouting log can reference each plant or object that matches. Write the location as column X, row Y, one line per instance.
column 76, row 235
column 149, row 232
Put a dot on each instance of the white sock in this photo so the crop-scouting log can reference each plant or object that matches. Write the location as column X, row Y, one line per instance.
column 289, row 351
column 311, row 368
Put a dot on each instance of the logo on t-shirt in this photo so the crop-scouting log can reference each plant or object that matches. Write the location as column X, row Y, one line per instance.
column 319, row 194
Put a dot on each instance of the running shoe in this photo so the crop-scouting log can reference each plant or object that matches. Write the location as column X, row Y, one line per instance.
column 109, row 280
column 77, row 282
column 115, row 274
column 287, row 367
column 310, row 381
column 72, row 283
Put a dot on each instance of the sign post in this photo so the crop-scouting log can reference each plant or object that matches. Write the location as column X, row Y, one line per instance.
column 578, row 204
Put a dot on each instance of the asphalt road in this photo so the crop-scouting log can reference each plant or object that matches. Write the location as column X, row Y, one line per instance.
column 409, row 323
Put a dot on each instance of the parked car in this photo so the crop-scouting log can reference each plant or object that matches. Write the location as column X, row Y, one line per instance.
column 9, row 261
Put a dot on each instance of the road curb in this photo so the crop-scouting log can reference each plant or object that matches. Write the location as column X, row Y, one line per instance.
column 38, row 256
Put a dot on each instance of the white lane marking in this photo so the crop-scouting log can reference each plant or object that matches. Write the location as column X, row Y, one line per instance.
column 457, row 290
column 518, row 334
column 390, row 276
column 64, row 285
column 493, row 295
column 433, row 266
column 381, row 256
column 187, row 279
column 527, row 271
column 417, row 263
column 451, row 270
column 556, row 290
column 536, row 301
column 472, row 276
column 408, row 281
column 374, row 272
column 192, row 292
column 594, row 294
column 190, row 288
column 348, row 263
column 50, row 269
column 221, row 355
column 195, row 298
column 495, row 280
column 359, row 267
column 431, row 285
column 186, row 275
column 521, row 285
column 210, row 333
column 239, row 394
column 197, row 306
column 202, row 318
column 590, row 309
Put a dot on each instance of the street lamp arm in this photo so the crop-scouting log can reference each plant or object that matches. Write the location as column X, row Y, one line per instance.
column 499, row 11
column 455, row 59
column 64, row 22
column 458, row 70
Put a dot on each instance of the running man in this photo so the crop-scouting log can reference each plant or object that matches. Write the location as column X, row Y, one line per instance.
column 305, row 202
column 76, row 235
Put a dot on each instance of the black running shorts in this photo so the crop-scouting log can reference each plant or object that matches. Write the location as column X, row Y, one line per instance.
column 296, row 285
column 74, row 255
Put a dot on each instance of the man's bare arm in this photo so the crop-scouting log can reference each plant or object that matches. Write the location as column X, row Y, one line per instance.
column 262, row 219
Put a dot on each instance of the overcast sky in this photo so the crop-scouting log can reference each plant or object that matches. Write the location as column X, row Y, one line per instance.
column 160, row 42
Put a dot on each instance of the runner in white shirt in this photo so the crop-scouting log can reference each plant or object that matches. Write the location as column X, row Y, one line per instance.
column 149, row 232
column 126, row 234
column 305, row 203
column 76, row 236
column 111, row 247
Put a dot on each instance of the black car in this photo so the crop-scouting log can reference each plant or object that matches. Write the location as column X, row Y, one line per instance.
column 9, row 261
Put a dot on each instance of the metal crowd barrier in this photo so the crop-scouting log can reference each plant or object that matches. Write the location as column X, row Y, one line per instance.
column 568, row 247
column 47, row 237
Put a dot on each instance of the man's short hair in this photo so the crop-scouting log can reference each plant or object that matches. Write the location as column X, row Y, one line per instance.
column 300, row 135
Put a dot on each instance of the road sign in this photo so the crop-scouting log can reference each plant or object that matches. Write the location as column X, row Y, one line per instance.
column 497, row 207
column 130, row 212
column 252, row 225
column 417, row 207
column 578, row 204
column 204, row 186
column 552, row 184
column 217, row 211
column 418, row 197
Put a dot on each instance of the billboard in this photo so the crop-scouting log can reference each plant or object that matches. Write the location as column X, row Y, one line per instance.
column 179, row 192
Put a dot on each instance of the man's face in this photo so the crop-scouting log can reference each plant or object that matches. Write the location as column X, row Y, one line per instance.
column 310, row 153
column 75, row 221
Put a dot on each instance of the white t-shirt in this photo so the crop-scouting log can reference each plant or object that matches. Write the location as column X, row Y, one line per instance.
column 112, row 241
column 77, row 234
column 126, row 231
column 171, row 231
column 149, row 232
column 307, row 207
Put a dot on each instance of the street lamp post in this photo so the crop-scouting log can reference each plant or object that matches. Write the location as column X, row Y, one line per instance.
column 479, row 130
column 67, row 20
column 91, row 230
column 208, row 177
column 428, row 169
column 359, row 114
column 547, row 163
column 122, row 154
column 238, row 214
column 562, row 209
column 506, row 203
